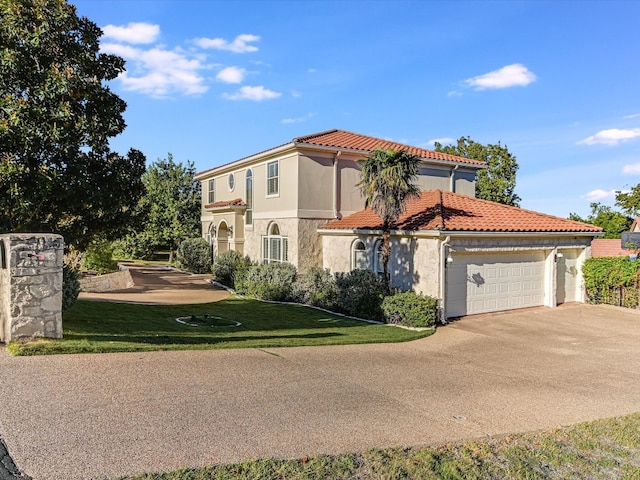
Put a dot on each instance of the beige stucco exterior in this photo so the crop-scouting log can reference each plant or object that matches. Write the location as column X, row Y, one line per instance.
column 416, row 261
column 315, row 186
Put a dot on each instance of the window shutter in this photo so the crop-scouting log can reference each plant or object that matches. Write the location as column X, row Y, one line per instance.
column 285, row 249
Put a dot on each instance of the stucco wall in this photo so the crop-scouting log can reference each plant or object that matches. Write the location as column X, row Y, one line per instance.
column 413, row 264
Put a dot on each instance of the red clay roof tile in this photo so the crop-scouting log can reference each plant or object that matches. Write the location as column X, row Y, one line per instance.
column 447, row 211
column 356, row 141
column 225, row 203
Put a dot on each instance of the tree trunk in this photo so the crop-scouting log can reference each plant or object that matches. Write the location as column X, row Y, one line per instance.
column 386, row 253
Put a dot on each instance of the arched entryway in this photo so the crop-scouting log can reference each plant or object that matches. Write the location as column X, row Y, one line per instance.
column 222, row 241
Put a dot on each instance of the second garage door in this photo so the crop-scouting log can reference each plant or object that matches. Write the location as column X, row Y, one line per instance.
column 479, row 283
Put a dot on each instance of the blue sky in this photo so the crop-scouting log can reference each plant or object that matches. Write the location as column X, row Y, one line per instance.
column 557, row 82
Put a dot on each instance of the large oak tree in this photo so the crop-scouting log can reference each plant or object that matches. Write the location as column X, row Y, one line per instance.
column 57, row 115
column 497, row 182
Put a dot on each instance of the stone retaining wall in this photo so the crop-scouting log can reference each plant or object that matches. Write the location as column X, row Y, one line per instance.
column 107, row 283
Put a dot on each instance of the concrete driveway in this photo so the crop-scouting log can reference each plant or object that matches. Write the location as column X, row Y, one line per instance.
column 99, row 416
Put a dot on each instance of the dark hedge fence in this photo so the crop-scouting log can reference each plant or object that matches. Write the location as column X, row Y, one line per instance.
column 613, row 280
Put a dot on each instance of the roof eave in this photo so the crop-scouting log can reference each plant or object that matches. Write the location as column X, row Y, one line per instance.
column 355, row 151
column 236, row 164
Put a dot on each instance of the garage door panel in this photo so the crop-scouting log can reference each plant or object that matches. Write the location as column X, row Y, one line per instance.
column 494, row 282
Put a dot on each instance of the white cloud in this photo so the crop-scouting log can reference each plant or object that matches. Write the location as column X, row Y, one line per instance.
column 257, row 94
column 231, row 75
column 633, row 169
column 454, row 93
column 239, row 45
column 308, row 116
column 515, row 75
column 613, row 136
column 312, row 70
column 159, row 72
column 634, row 115
column 134, row 32
column 598, row 194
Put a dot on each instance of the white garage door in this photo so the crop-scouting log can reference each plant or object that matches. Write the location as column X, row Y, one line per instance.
column 567, row 280
column 480, row 283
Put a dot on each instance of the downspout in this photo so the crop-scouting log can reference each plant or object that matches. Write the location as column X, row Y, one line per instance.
column 336, row 214
column 452, row 180
column 443, row 265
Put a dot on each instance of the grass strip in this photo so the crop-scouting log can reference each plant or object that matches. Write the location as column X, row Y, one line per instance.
column 602, row 449
column 104, row 327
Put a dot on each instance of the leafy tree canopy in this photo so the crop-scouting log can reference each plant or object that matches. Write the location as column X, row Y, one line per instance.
column 611, row 221
column 57, row 172
column 170, row 206
column 629, row 202
column 497, row 182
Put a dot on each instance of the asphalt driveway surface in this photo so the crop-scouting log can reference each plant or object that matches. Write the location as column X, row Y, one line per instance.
column 98, row 416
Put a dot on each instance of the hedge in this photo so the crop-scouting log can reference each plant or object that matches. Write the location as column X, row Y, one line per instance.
column 613, row 281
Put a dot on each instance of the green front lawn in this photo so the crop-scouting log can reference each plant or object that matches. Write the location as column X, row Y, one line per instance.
column 98, row 327
column 603, row 449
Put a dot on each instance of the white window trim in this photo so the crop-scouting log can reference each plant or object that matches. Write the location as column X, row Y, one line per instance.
column 277, row 194
column 354, row 262
column 211, row 192
column 269, row 241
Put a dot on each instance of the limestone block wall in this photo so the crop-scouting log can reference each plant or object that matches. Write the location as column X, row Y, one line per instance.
column 108, row 282
column 30, row 286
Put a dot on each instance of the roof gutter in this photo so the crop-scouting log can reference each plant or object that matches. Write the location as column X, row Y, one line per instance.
column 243, row 161
column 435, row 161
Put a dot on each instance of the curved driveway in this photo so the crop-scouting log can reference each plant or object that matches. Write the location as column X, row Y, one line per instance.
column 99, row 416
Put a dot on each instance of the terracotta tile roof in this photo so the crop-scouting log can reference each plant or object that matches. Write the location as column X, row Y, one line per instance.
column 447, row 211
column 356, row 141
column 225, row 203
column 607, row 247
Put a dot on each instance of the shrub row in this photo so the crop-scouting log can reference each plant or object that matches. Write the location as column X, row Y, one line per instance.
column 612, row 280
column 360, row 293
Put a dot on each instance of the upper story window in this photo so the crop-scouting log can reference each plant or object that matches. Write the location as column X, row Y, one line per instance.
column 248, row 214
column 272, row 178
column 359, row 255
column 274, row 246
column 232, row 182
column 212, row 191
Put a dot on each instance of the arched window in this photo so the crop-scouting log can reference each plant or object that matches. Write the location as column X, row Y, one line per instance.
column 248, row 214
column 359, row 255
column 378, row 262
column 274, row 246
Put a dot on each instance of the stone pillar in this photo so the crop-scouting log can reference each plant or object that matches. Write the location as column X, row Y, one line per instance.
column 30, row 285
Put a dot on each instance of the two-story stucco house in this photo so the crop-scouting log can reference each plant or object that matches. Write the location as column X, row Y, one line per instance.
column 299, row 202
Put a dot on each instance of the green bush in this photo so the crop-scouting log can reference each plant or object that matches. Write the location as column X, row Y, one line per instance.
column 410, row 309
column 269, row 281
column 70, row 286
column 227, row 264
column 360, row 293
column 612, row 280
column 138, row 246
column 194, row 255
column 317, row 287
column 99, row 258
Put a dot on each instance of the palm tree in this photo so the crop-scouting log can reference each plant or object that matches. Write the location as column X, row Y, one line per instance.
column 387, row 178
